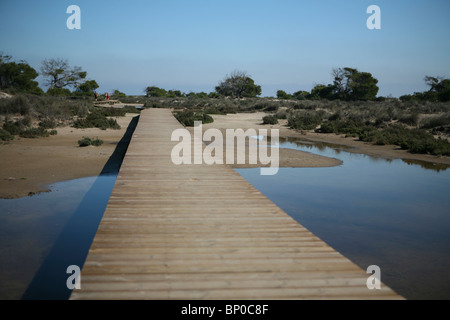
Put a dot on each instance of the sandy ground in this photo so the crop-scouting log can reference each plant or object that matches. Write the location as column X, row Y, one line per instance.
column 28, row 166
column 254, row 120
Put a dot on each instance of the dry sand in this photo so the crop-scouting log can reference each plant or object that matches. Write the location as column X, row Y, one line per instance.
column 28, row 166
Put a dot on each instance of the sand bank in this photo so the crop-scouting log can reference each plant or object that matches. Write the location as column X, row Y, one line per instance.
column 29, row 166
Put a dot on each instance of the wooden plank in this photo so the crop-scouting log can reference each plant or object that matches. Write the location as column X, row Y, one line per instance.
column 203, row 232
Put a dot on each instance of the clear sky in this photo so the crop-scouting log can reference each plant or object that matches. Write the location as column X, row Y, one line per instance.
column 191, row 45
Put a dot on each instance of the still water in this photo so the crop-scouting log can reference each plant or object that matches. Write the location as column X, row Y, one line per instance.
column 41, row 235
column 390, row 213
column 393, row 214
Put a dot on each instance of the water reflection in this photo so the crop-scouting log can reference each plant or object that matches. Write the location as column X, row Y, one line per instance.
column 438, row 167
column 72, row 244
column 28, row 228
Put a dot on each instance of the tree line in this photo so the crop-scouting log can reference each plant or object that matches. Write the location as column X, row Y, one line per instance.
column 348, row 84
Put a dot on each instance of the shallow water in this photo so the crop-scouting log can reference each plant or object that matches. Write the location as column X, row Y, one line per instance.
column 390, row 213
column 31, row 228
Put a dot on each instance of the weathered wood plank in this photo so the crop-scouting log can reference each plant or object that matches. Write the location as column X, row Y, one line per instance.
column 203, row 232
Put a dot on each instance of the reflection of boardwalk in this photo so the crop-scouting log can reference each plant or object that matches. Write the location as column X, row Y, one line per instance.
column 203, row 232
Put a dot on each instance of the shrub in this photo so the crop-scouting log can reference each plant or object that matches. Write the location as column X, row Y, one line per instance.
column 438, row 121
column 188, row 117
column 34, row 133
column 5, row 135
column 131, row 109
column 16, row 105
column 97, row 142
column 270, row 119
column 281, row 114
column 58, row 92
column 307, row 120
column 13, row 128
column 410, row 119
column 86, row 141
column 98, row 119
column 271, row 108
column 47, row 124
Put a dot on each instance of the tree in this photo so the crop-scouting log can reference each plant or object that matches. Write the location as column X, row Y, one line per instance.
column 238, row 85
column 117, row 94
column 322, row 91
column 341, row 82
column 174, row 94
column 350, row 84
column 60, row 74
column 18, row 76
column 155, row 92
column 88, row 87
column 283, row 95
column 439, row 88
column 301, row 95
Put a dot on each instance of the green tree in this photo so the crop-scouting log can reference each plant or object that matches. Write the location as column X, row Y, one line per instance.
column 322, row 91
column 174, row 94
column 59, row 92
column 283, row 95
column 155, row 92
column 18, row 76
column 439, row 89
column 301, row 95
column 117, row 94
column 88, row 87
column 238, row 85
column 350, row 84
column 213, row 95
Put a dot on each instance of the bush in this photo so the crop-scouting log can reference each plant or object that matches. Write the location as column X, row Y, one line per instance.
column 413, row 140
column 97, row 142
column 98, row 119
column 5, row 135
column 59, row 92
column 16, row 105
column 188, row 117
column 47, row 124
column 34, row 133
column 270, row 120
column 131, row 109
column 86, row 141
column 410, row 119
column 281, row 114
column 14, row 128
column 305, row 120
column 435, row 122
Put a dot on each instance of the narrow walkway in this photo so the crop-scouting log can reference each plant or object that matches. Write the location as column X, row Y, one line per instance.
column 203, row 232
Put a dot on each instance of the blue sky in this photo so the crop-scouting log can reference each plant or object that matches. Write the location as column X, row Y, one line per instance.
column 192, row 45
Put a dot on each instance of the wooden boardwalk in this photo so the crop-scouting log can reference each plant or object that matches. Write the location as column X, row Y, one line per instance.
column 203, row 232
